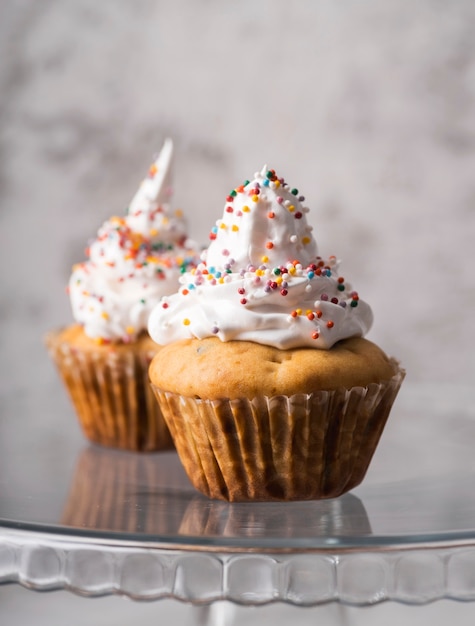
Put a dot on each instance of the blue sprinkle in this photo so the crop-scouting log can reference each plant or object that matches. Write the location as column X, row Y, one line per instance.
column 310, row 275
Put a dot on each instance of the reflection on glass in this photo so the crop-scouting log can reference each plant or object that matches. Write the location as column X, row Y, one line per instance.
column 150, row 495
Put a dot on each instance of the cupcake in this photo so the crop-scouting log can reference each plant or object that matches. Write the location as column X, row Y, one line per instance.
column 265, row 379
column 103, row 358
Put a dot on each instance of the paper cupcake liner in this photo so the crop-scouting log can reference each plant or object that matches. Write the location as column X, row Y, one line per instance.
column 111, row 393
column 300, row 447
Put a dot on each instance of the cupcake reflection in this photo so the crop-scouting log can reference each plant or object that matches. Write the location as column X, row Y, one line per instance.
column 127, row 493
column 339, row 517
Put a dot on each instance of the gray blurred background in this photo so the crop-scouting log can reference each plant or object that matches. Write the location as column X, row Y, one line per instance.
column 368, row 107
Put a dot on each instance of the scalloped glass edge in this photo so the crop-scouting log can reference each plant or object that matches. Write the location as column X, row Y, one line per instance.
column 410, row 576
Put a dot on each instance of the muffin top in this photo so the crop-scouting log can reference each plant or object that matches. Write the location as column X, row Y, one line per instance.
column 262, row 279
column 212, row 369
column 133, row 261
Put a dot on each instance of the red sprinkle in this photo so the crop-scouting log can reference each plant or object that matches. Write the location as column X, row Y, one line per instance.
column 330, row 324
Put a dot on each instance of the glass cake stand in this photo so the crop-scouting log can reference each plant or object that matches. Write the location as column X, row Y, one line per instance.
column 97, row 521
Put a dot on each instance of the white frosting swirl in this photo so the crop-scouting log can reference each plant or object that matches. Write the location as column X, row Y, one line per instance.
column 262, row 280
column 133, row 262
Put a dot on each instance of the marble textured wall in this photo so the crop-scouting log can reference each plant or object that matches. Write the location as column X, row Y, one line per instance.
column 367, row 107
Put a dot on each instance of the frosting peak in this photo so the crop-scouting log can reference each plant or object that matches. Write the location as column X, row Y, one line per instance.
column 261, row 278
column 133, row 261
column 264, row 221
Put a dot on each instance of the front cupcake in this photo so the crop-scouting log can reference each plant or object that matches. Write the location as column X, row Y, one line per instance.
column 267, row 384
column 104, row 357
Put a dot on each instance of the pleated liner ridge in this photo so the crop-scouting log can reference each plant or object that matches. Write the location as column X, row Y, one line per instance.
column 112, row 396
column 301, row 447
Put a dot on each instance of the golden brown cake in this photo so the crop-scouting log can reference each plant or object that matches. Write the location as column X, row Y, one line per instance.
column 265, row 379
column 250, row 369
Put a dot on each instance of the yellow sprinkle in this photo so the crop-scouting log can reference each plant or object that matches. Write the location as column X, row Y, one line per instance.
column 255, row 198
column 153, row 170
column 306, row 240
column 235, row 228
column 165, row 221
column 99, row 341
column 299, row 311
column 210, row 276
column 260, row 272
column 179, row 213
column 265, row 259
column 245, row 209
column 127, row 257
column 278, row 280
column 130, row 330
column 153, row 232
column 221, row 280
column 222, row 225
column 308, row 311
column 105, row 315
column 277, row 183
column 291, row 208
column 292, row 270
column 186, row 321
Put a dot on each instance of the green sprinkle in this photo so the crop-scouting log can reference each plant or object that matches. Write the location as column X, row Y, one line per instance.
column 233, row 193
column 294, row 191
column 341, row 287
column 354, row 303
